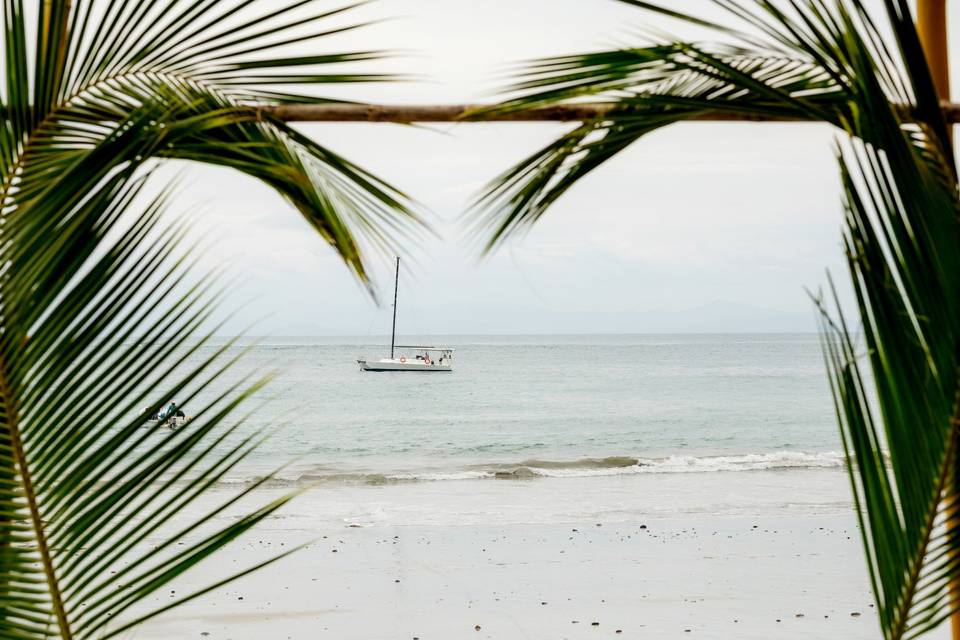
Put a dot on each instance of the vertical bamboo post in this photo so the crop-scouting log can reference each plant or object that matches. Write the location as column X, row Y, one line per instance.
column 932, row 28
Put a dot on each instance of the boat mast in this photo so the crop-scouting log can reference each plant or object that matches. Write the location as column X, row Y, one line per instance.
column 393, row 331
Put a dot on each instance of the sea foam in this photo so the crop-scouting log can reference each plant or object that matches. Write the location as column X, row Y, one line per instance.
column 677, row 464
column 575, row 468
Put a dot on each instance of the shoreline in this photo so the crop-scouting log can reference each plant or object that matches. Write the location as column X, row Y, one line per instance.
column 379, row 471
column 543, row 559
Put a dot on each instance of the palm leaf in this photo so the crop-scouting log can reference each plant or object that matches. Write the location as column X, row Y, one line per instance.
column 204, row 57
column 826, row 61
column 808, row 67
column 100, row 305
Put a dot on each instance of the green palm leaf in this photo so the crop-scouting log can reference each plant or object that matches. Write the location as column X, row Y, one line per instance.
column 824, row 61
column 806, row 66
column 99, row 306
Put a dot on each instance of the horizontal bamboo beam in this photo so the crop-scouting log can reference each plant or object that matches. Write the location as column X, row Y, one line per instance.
column 408, row 113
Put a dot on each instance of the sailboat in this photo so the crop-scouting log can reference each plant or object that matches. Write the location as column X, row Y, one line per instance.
column 409, row 357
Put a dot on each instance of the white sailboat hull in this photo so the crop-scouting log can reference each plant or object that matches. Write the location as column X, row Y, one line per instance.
column 396, row 364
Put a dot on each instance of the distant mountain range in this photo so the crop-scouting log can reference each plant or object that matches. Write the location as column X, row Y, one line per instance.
column 714, row 317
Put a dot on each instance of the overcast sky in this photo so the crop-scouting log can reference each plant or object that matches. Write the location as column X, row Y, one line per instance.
column 701, row 227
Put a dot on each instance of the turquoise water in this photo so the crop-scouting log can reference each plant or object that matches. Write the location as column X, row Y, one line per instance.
column 546, row 405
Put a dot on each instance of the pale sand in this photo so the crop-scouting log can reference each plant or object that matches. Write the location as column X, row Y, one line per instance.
column 703, row 576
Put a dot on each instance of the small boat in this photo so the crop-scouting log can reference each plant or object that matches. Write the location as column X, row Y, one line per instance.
column 411, row 357
column 422, row 359
column 172, row 417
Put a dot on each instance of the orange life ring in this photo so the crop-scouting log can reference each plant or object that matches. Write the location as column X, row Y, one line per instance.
column 402, row 359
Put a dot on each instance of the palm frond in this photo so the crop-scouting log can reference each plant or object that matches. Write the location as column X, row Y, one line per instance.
column 100, row 310
column 809, row 66
column 902, row 228
column 80, row 354
column 825, row 61
column 203, row 58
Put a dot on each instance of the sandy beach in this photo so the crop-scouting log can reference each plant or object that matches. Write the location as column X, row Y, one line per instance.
column 540, row 572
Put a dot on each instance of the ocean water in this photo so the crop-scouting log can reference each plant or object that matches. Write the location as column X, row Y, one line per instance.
column 542, row 406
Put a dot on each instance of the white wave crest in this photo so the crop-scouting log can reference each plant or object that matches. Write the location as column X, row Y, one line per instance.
column 746, row 462
column 577, row 468
column 436, row 477
column 684, row 464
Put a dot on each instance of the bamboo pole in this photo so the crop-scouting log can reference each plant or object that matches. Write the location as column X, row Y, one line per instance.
column 932, row 28
column 409, row 113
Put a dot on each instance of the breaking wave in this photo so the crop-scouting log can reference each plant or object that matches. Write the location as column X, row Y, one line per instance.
column 583, row 467
column 675, row 464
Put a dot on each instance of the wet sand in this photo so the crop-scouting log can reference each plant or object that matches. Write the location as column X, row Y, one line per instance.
column 704, row 576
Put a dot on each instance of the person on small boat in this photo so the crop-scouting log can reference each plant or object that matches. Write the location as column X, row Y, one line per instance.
column 169, row 412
